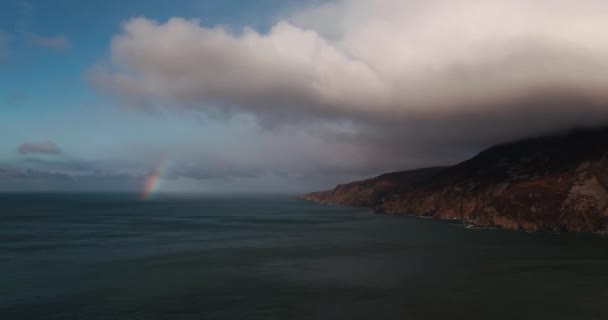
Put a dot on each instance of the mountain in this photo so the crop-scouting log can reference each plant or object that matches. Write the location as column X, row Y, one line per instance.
column 550, row 183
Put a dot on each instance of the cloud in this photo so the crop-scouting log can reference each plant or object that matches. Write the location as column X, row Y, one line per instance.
column 4, row 46
column 45, row 147
column 57, row 43
column 419, row 82
column 12, row 179
column 36, row 174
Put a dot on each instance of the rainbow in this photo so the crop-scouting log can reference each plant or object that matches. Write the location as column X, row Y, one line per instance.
column 153, row 180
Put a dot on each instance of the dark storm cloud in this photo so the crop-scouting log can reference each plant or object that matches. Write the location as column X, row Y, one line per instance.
column 45, row 147
column 418, row 82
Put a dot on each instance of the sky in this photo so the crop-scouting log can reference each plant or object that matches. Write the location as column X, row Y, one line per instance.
column 266, row 96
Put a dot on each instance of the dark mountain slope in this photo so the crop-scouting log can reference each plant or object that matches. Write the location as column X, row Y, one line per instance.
column 373, row 192
column 557, row 183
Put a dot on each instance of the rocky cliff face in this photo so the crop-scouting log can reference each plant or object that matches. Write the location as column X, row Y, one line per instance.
column 557, row 183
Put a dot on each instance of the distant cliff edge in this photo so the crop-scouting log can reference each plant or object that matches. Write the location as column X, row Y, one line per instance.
column 552, row 183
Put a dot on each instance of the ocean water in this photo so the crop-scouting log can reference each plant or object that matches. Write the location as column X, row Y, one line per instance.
column 105, row 256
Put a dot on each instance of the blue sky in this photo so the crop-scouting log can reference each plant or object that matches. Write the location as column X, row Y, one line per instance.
column 47, row 89
column 283, row 96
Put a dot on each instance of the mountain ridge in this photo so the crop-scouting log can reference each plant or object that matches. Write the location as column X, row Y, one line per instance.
column 556, row 182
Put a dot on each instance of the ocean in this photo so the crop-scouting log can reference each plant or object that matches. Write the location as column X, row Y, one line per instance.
column 113, row 256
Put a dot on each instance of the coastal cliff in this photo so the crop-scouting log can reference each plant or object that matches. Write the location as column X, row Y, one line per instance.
column 553, row 183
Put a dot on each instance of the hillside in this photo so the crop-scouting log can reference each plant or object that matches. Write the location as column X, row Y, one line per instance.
column 552, row 183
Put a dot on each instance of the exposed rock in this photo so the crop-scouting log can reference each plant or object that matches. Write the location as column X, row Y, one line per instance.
column 556, row 183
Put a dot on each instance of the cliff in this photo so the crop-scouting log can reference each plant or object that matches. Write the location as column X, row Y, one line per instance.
column 553, row 183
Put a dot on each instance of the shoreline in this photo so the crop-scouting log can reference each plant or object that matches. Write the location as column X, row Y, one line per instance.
column 466, row 223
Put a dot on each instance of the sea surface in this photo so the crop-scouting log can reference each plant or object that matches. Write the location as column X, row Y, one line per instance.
column 112, row 256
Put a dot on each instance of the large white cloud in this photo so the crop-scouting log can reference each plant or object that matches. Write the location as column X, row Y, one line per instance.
column 288, row 70
column 407, row 73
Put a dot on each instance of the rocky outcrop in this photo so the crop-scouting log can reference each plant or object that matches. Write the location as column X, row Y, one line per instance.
column 557, row 183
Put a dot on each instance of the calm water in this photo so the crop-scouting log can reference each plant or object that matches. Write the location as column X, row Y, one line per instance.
column 113, row 257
